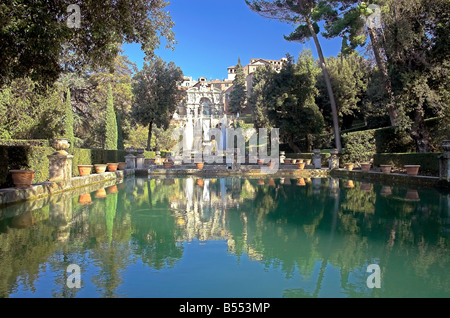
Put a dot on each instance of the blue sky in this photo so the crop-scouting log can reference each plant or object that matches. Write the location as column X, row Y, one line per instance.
column 212, row 34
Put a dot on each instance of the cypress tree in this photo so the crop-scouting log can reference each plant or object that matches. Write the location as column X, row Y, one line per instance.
column 68, row 120
column 111, row 122
column 120, row 144
column 238, row 95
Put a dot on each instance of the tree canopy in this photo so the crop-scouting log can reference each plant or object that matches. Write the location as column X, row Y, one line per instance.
column 37, row 41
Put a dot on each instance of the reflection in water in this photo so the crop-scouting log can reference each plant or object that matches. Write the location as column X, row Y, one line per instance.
column 298, row 237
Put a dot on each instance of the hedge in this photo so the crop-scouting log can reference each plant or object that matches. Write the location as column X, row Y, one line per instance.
column 429, row 162
column 23, row 156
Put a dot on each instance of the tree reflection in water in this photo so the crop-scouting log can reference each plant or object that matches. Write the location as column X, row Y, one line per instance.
column 321, row 230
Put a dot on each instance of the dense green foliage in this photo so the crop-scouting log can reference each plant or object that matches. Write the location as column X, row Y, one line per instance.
column 68, row 119
column 111, row 135
column 156, row 94
column 286, row 100
column 238, row 95
column 34, row 36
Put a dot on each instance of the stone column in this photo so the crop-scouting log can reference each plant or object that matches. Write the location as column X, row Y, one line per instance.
column 444, row 162
column 334, row 159
column 130, row 160
column 317, row 159
column 140, row 158
column 60, row 215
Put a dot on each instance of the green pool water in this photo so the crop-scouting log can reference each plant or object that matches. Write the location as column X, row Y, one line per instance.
column 230, row 237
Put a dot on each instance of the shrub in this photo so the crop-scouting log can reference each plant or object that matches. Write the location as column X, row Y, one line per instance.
column 358, row 146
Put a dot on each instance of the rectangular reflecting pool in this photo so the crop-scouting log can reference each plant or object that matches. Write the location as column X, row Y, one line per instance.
column 229, row 237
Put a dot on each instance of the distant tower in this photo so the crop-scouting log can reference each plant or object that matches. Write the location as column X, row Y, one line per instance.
column 231, row 73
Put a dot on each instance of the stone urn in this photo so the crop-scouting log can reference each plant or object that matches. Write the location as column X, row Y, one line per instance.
column 140, row 151
column 122, row 166
column 84, row 170
column 412, row 170
column 365, row 166
column 300, row 165
column 61, row 145
column 385, row 168
column 85, row 199
column 22, row 178
column 112, row 166
column 349, row 166
column 129, row 150
column 199, row 165
column 100, row 168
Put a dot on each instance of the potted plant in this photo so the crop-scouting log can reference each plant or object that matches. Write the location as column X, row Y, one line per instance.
column 112, row 166
column 199, row 165
column 307, row 161
column 260, row 162
column 85, row 198
column 349, row 166
column 122, row 166
column 300, row 182
column 101, row 193
column 365, row 166
column 22, row 178
column 412, row 170
column 112, row 189
column 287, row 161
column 200, row 182
column 299, row 161
column 301, row 165
column 386, row 168
column 100, row 168
column 167, row 164
column 84, row 170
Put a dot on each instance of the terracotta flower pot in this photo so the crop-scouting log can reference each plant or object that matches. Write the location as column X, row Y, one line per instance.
column 349, row 184
column 100, row 168
column 101, row 193
column 365, row 186
column 112, row 189
column 271, row 182
column 301, row 165
column 84, row 170
column 260, row 162
column 112, row 167
column 299, row 161
column 301, row 182
column 349, row 166
column 167, row 164
column 122, row 166
column 412, row 170
column 307, row 161
column 200, row 182
column 386, row 168
column 199, row 165
column 365, row 166
column 271, row 165
column 22, row 178
column 85, row 199
column 287, row 161
column 260, row 182
column 412, row 195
